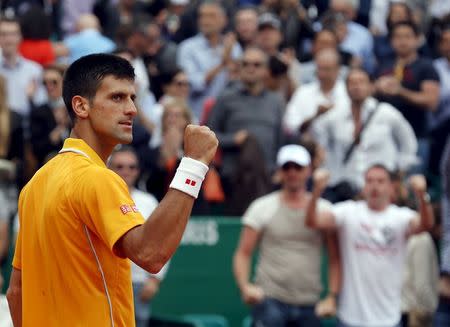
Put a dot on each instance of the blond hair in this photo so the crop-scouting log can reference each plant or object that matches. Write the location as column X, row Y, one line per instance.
column 179, row 103
column 5, row 119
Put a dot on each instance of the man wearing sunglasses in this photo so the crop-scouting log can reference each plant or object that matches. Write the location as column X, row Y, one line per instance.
column 247, row 112
column 287, row 284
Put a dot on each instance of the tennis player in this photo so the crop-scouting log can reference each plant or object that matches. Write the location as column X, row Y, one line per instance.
column 78, row 223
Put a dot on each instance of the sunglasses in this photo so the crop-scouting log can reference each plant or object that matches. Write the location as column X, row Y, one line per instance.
column 291, row 165
column 131, row 167
column 255, row 64
column 52, row 82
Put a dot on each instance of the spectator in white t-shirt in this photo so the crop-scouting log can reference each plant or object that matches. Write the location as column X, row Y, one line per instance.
column 124, row 162
column 373, row 237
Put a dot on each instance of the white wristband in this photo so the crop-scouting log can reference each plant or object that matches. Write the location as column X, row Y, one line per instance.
column 189, row 176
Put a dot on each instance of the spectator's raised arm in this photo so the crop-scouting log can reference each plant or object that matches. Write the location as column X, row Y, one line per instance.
column 425, row 220
column 324, row 219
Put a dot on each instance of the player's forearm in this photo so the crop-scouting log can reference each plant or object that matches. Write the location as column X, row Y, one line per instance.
column 15, row 308
column 241, row 269
column 152, row 244
column 14, row 297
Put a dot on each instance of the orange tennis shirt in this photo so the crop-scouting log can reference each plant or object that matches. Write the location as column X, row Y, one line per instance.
column 71, row 214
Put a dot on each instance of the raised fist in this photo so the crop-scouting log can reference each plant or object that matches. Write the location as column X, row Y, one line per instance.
column 320, row 179
column 200, row 143
column 252, row 294
column 418, row 184
column 326, row 307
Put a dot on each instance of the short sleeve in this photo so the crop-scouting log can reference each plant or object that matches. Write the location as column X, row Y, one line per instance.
column 405, row 216
column 429, row 73
column 340, row 212
column 17, row 260
column 324, row 205
column 259, row 212
column 103, row 203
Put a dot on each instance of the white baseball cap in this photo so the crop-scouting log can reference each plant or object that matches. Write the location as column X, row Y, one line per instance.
column 179, row 2
column 293, row 153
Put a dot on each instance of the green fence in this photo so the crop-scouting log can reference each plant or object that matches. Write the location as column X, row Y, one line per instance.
column 200, row 278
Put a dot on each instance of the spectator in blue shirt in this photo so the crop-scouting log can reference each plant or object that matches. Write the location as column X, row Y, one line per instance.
column 205, row 57
column 88, row 39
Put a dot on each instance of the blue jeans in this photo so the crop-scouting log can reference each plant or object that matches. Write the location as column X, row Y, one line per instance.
column 142, row 310
column 342, row 324
column 442, row 315
column 274, row 313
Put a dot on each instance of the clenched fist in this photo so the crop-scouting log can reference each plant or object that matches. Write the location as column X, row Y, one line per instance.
column 326, row 307
column 418, row 184
column 252, row 294
column 200, row 143
column 320, row 179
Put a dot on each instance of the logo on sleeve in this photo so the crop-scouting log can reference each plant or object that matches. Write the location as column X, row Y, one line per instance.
column 126, row 208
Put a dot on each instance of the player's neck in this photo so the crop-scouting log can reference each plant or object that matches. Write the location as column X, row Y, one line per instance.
column 102, row 149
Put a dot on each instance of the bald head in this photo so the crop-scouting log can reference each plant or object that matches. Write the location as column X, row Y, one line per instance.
column 212, row 18
column 347, row 7
column 88, row 21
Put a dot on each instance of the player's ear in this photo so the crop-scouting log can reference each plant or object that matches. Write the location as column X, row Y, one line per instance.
column 80, row 106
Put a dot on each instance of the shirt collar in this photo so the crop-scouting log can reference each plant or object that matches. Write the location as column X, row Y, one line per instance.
column 205, row 42
column 445, row 63
column 243, row 90
column 19, row 61
column 367, row 107
column 81, row 147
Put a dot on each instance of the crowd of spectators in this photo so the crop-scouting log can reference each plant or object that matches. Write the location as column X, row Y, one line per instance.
column 357, row 82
